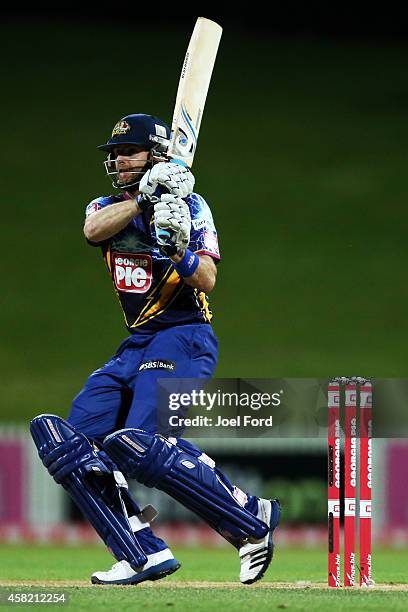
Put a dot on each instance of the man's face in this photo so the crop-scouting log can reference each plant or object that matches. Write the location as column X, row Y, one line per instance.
column 128, row 160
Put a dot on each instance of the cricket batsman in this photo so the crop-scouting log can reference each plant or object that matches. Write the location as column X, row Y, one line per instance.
column 160, row 247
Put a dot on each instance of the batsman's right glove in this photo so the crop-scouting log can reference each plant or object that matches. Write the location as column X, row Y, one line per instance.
column 178, row 180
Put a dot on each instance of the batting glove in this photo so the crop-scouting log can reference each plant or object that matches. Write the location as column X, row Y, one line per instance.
column 177, row 179
column 172, row 222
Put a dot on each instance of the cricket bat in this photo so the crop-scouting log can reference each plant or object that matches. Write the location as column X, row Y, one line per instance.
column 192, row 90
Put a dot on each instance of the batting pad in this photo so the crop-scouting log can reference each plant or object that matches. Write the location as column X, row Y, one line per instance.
column 156, row 462
column 92, row 484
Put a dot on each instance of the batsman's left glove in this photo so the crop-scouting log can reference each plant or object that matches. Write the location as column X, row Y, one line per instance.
column 172, row 222
column 178, row 180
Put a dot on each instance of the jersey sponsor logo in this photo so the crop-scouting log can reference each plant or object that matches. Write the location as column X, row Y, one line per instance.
column 92, row 208
column 158, row 364
column 132, row 272
column 211, row 242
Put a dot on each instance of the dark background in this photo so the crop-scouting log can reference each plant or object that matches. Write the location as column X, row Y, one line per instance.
column 302, row 157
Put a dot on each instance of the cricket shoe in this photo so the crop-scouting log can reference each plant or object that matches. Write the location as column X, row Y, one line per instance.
column 159, row 565
column 255, row 558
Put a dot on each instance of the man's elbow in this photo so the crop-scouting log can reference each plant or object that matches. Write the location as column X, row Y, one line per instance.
column 208, row 283
column 90, row 231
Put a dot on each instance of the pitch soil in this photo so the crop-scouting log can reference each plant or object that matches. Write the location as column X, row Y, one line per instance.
column 191, row 585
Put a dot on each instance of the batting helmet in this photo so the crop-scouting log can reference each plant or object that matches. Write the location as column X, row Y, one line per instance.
column 146, row 131
column 140, row 129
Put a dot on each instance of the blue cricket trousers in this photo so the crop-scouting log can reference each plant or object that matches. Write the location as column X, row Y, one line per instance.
column 123, row 393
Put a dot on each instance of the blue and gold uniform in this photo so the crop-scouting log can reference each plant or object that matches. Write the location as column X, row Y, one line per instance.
column 168, row 321
column 152, row 294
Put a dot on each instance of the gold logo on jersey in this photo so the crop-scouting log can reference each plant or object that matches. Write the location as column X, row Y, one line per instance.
column 122, row 127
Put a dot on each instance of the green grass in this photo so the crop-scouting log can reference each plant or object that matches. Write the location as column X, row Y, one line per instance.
column 211, row 564
column 207, row 565
column 206, row 600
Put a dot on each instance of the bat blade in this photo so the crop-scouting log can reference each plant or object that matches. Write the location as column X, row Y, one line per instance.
column 192, row 90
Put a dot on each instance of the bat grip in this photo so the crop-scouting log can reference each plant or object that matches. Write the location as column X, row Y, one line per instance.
column 167, row 234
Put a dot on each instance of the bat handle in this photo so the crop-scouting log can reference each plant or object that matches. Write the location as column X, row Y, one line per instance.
column 166, row 234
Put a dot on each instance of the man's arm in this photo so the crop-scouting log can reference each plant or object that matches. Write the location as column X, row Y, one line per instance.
column 204, row 276
column 108, row 221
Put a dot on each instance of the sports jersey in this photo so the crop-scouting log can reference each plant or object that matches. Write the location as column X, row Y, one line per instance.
column 152, row 294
